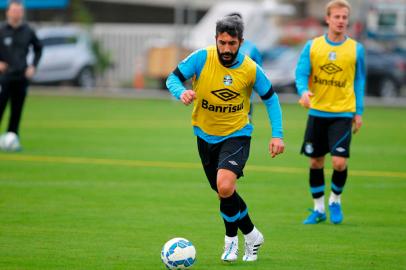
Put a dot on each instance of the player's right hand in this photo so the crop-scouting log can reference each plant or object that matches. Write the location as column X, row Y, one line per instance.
column 187, row 97
column 305, row 99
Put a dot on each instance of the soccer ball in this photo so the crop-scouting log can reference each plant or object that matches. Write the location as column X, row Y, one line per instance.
column 178, row 253
column 9, row 142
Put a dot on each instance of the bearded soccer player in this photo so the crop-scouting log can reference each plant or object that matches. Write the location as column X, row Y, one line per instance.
column 330, row 78
column 223, row 80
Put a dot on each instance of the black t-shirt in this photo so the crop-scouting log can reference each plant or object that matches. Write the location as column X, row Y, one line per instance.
column 15, row 44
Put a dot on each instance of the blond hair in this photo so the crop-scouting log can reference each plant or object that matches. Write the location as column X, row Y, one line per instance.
column 337, row 3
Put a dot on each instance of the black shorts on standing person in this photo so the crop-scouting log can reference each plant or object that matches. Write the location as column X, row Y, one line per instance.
column 327, row 135
column 16, row 40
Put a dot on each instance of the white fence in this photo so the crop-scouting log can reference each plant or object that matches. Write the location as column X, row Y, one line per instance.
column 128, row 45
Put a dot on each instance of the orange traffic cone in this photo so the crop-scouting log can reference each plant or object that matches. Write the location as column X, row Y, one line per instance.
column 138, row 80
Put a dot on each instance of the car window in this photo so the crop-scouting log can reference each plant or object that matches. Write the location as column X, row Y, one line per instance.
column 387, row 21
column 55, row 41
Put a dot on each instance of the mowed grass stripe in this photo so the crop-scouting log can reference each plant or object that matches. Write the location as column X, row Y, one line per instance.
column 177, row 165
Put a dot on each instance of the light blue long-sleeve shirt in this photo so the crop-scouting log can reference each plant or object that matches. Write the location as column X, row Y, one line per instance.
column 249, row 48
column 193, row 66
column 303, row 71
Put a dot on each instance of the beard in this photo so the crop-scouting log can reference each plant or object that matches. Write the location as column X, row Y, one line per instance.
column 231, row 57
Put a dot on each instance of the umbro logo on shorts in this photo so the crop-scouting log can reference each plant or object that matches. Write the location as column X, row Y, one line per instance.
column 340, row 149
column 232, row 162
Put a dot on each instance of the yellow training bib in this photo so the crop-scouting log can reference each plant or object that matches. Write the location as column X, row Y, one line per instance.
column 223, row 95
column 332, row 76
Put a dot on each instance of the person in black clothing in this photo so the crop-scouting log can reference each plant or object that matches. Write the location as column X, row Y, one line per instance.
column 16, row 39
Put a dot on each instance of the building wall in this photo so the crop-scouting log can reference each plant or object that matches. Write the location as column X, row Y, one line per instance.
column 110, row 12
column 104, row 12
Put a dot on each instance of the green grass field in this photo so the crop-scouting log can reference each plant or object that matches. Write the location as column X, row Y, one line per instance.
column 104, row 183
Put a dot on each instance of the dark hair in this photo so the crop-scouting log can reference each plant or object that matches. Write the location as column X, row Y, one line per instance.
column 232, row 25
column 237, row 14
column 17, row 2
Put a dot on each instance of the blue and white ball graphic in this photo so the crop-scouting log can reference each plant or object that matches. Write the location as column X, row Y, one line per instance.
column 178, row 253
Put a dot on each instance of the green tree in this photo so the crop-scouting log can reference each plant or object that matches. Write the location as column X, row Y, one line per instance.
column 82, row 15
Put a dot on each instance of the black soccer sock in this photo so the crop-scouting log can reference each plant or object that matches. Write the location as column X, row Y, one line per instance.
column 245, row 224
column 316, row 180
column 230, row 211
column 338, row 181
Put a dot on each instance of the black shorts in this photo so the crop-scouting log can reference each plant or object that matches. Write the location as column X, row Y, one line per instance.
column 230, row 154
column 327, row 135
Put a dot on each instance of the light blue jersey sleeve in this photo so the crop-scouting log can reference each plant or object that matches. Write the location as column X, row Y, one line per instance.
column 249, row 48
column 186, row 69
column 263, row 87
column 303, row 69
column 359, row 83
column 256, row 56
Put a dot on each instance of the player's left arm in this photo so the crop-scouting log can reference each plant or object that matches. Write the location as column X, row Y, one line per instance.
column 265, row 90
column 359, row 87
column 37, row 48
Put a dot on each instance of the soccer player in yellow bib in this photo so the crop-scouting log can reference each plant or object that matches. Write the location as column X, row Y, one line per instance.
column 330, row 78
column 223, row 80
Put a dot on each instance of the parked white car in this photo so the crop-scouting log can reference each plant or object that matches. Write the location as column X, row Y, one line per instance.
column 67, row 56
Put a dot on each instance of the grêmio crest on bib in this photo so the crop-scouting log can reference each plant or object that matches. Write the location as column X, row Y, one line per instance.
column 227, row 80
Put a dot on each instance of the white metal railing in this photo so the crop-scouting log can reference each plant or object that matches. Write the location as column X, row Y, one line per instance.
column 128, row 45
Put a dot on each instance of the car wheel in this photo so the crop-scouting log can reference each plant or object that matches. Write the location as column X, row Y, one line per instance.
column 388, row 88
column 86, row 78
